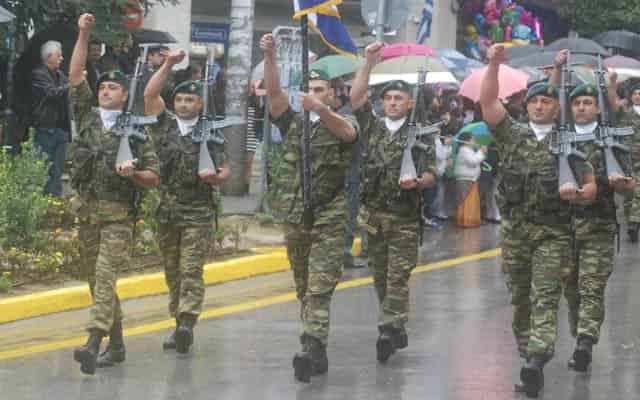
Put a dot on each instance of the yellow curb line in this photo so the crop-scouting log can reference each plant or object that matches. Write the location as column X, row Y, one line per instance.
column 236, row 308
column 268, row 261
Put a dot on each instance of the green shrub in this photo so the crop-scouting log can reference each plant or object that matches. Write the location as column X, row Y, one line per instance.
column 22, row 205
column 5, row 283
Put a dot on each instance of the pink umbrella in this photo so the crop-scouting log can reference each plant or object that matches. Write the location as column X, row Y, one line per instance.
column 406, row 49
column 511, row 81
column 621, row 62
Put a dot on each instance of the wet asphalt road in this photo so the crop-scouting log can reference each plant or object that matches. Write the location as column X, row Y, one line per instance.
column 460, row 342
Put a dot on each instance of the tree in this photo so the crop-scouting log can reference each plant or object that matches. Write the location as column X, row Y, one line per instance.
column 37, row 15
column 589, row 17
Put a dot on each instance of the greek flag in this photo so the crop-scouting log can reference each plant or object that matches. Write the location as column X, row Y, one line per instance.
column 424, row 31
column 324, row 18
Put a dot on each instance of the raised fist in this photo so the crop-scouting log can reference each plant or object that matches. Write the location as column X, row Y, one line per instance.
column 86, row 22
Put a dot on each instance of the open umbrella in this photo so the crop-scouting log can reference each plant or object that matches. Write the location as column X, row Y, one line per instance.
column 510, row 79
column 409, row 65
column 480, row 132
column 412, row 78
column 336, row 65
column 406, row 49
column 148, row 36
column 621, row 62
column 620, row 40
column 460, row 65
column 581, row 45
column 545, row 59
column 5, row 15
column 514, row 52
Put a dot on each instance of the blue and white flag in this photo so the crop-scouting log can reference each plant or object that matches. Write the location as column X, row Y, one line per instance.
column 324, row 18
column 424, row 31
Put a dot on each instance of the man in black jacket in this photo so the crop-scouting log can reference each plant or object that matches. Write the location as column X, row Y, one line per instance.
column 50, row 117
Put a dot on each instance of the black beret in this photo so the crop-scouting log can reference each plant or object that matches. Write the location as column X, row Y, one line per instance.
column 398, row 84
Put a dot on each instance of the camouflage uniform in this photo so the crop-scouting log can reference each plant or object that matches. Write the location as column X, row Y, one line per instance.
column 515, row 268
column 315, row 255
column 530, row 178
column 595, row 230
column 106, row 214
column 632, row 203
column 390, row 214
column 185, row 214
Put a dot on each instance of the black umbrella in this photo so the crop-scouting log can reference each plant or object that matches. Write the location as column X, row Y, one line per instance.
column 514, row 52
column 144, row 36
column 580, row 45
column 544, row 59
column 624, row 40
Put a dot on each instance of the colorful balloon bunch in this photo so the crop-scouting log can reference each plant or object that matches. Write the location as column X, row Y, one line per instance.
column 499, row 21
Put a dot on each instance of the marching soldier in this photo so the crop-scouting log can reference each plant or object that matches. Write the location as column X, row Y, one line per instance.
column 547, row 216
column 595, row 230
column 631, row 116
column 315, row 254
column 108, row 193
column 188, row 198
column 390, row 204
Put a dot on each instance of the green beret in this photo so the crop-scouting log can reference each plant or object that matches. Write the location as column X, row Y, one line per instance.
column 318, row 74
column 189, row 87
column 633, row 88
column 541, row 89
column 585, row 89
column 398, row 84
column 114, row 76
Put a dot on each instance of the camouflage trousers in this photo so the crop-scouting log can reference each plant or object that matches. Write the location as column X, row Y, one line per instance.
column 316, row 259
column 104, row 251
column 548, row 254
column 393, row 254
column 516, row 267
column 184, row 251
column 585, row 288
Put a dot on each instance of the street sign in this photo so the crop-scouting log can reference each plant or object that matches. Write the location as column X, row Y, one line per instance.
column 210, row 32
column 395, row 15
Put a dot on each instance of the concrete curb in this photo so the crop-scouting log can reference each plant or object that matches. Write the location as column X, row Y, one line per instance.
column 267, row 261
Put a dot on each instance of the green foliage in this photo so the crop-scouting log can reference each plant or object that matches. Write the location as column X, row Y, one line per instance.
column 22, row 205
column 588, row 17
column 39, row 14
column 5, row 283
column 147, row 226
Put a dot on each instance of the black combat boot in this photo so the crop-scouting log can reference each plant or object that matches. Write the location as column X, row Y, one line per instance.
column 170, row 342
column 115, row 351
column 632, row 230
column 582, row 354
column 532, row 377
column 87, row 354
column 319, row 360
column 400, row 338
column 385, row 344
column 184, row 332
column 302, row 361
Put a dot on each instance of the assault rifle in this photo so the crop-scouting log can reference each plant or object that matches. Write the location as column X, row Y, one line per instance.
column 563, row 141
column 129, row 125
column 415, row 131
column 208, row 129
column 609, row 138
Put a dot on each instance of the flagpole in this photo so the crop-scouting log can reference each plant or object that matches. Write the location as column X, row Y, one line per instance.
column 307, row 218
column 382, row 6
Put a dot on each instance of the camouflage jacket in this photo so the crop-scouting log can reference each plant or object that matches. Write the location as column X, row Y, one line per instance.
column 600, row 216
column 529, row 175
column 381, row 163
column 330, row 158
column 630, row 118
column 106, row 196
column 185, row 199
